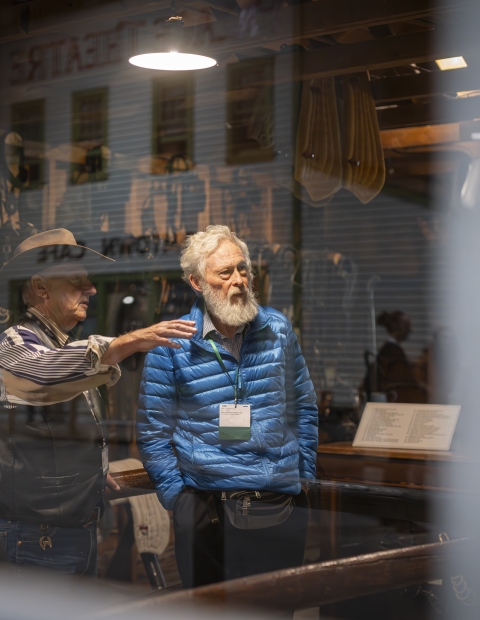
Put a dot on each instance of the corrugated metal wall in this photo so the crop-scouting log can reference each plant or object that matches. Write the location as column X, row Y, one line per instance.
column 345, row 244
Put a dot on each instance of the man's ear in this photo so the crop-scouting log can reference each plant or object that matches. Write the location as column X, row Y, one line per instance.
column 194, row 283
column 39, row 286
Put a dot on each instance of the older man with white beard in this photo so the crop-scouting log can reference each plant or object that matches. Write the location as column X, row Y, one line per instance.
column 227, row 424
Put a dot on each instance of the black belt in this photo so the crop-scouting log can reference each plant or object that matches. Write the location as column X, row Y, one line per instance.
column 93, row 518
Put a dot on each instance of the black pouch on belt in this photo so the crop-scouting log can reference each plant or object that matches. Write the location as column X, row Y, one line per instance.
column 255, row 510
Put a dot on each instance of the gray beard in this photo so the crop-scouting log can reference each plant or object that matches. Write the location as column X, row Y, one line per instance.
column 242, row 311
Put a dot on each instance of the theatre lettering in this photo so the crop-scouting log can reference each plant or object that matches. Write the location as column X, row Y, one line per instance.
column 69, row 56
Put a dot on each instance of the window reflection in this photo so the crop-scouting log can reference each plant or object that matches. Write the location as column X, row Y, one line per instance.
column 333, row 141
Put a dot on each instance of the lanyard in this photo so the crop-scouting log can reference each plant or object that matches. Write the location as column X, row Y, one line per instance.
column 237, row 375
column 46, row 330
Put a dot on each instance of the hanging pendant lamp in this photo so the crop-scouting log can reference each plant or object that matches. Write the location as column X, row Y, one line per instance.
column 173, row 55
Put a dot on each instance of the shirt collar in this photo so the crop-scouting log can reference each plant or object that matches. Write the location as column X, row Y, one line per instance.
column 60, row 335
column 209, row 327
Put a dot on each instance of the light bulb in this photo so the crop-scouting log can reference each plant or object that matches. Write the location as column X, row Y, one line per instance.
column 172, row 61
column 128, row 300
column 446, row 64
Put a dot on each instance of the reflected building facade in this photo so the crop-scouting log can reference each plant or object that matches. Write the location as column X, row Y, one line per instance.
column 132, row 161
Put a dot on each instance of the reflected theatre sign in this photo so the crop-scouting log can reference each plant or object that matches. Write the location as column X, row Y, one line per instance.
column 137, row 252
column 150, row 245
column 144, row 245
column 70, row 56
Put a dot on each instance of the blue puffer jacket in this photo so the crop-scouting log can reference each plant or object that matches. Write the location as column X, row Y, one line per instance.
column 178, row 413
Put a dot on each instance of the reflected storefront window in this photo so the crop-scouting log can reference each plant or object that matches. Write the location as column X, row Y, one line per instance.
column 340, row 143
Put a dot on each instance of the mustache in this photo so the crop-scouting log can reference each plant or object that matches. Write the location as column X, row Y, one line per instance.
column 238, row 291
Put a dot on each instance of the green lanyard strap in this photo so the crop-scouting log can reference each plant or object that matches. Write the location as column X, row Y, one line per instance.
column 224, row 368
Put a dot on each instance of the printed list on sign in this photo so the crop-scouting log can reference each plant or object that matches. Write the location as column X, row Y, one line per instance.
column 407, row 426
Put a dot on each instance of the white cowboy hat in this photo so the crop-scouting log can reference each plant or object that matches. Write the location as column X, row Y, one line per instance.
column 44, row 250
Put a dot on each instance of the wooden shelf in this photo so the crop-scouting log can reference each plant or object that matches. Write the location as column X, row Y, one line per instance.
column 415, row 469
column 346, row 448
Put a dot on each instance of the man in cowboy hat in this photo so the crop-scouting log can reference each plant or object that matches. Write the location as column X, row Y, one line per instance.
column 53, row 451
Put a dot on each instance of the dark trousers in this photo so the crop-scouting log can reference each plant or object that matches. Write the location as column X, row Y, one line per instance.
column 73, row 550
column 209, row 552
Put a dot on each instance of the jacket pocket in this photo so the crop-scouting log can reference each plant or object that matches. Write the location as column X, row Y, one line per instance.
column 256, row 435
column 48, row 482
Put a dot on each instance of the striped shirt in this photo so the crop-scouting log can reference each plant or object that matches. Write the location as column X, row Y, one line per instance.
column 231, row 345
column 36, row 374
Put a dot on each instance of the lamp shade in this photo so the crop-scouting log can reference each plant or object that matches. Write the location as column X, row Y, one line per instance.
column 172, row 53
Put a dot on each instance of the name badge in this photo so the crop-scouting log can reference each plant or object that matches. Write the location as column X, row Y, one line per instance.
column 105, row 460
column 234, row 422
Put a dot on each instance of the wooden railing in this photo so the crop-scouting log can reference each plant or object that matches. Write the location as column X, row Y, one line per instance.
column 317, row 584
column 133, row 482
column 322, row 583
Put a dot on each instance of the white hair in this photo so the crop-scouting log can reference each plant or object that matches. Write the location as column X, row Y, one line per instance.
column 198, row 247
column 28, row 294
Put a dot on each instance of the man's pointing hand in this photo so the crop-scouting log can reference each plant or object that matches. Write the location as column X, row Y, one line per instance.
column 142, row 340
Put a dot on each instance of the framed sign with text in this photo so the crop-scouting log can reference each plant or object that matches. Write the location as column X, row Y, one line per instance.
column 407, row 426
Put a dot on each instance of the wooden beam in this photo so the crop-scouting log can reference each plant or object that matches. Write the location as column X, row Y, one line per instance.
column 430, row 135
column 314, row 584
column 311, row 19
column 437, row 112
column 387, row 52
column 425, row 84
column 217, row 6
column 431, row 166
column 317, row 19
column 420, row 136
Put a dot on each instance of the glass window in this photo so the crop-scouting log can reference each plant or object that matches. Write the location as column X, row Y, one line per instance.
column 28, row 121
column 250, row 111
column 89, row 136
column 340, row 142
column 172, row 135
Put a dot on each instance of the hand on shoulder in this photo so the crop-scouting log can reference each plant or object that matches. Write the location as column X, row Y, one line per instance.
column 143, row 340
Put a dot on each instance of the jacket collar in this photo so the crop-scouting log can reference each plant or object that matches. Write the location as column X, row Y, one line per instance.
column 49, row 326
column 196, row 314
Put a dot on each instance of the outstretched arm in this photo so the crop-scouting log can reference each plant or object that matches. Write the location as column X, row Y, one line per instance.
column 157, row 335
column 38, row 375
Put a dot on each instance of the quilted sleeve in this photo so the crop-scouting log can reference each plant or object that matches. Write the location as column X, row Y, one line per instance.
column 155, row 425
column 302, row 412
